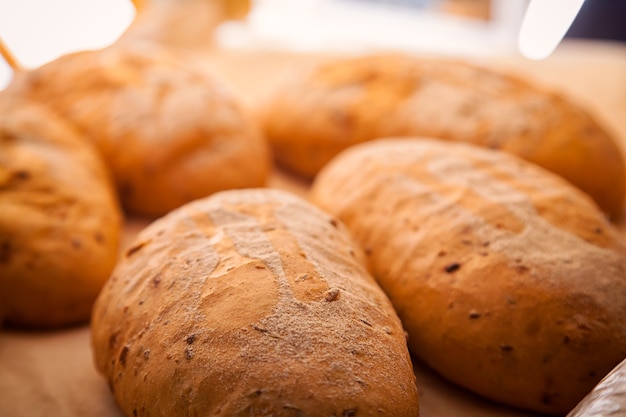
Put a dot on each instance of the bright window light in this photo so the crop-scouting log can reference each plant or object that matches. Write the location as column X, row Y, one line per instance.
column 38, row 31
column 544, row 26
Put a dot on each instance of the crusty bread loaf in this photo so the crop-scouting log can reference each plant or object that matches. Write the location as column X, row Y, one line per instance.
column 169, row 131
column 250, row 303
column 608, row 398
column 59, row 219
column 319, row 113
column 509, row 280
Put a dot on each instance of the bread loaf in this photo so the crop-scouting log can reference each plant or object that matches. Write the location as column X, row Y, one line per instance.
column 170, row 132
column 59, row 220
column 317, row 114
column 250, row 303
column 508, row 280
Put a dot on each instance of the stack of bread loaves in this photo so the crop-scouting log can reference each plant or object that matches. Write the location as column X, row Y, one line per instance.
column 500, row 265
column 168, row 133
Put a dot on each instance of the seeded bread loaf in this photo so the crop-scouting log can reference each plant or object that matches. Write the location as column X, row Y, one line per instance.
column 250, row 303
column 315, row 115
column 59, row 220
column 169, row 131
column 508, row 280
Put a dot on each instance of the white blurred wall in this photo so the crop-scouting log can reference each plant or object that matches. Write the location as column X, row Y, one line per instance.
column 40, row 30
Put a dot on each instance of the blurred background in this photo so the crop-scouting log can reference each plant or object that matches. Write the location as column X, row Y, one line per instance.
column 38, row 31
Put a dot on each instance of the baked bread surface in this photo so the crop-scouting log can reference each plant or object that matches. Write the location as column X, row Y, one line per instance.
column 59, row 219
column 318, row 113
column 250, row 303
column 169, row 131
column 508, row 280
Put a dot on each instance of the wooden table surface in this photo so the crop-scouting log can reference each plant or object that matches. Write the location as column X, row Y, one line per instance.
column 52, row 373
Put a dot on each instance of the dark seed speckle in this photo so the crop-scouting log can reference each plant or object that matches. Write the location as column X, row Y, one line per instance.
column 123, row 354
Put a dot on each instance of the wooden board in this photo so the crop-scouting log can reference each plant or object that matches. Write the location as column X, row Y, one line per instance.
column 52, row 373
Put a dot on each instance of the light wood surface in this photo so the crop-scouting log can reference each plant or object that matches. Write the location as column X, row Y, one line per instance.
column 52, row 373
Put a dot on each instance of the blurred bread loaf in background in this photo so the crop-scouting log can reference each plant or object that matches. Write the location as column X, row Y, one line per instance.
column 169, row 130
column 316, row 114
column 60, row 221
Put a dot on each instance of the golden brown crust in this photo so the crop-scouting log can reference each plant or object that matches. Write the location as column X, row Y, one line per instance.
column 342, row 103
column 508, row 280
column 59, row 220
column 250, row 302
column 169, row 132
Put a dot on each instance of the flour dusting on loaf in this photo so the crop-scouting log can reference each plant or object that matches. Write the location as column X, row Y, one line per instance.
column 553, row 254
column 509, row 280
column 250, row 302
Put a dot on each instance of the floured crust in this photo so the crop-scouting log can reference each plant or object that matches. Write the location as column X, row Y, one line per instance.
column 508, row 280
column 316, row 115
column 250, row 302
column 59, row 220
column 169, row 131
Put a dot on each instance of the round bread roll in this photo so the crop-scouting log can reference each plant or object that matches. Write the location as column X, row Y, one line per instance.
column 250, row 303
column 508, row 280
column 169, row 132
column 608, row 398
column 317, row 114
column 59, row 220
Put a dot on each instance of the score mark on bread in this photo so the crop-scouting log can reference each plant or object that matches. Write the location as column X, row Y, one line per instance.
column 508, row 279
column 263, row 307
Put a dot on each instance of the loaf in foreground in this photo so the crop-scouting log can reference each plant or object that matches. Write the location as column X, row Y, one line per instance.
column 59, row 220
column 508, row 280
column 250, row 303
column 317, row 114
